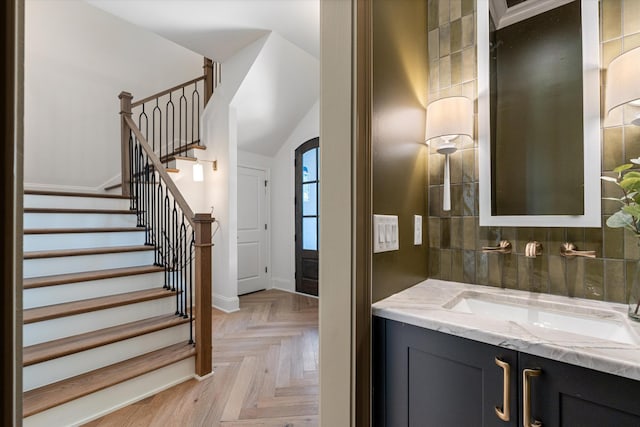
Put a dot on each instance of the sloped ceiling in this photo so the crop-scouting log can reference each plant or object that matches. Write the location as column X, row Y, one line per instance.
column 283, row 82
column 275, row 96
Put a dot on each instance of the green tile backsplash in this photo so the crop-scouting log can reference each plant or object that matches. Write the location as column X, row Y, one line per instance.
column 455, row 237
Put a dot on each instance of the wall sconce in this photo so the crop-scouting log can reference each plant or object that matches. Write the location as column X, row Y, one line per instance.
column 623, row 82
column 448, row 118
column 198, row 169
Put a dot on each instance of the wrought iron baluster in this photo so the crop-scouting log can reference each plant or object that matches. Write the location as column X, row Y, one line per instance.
column 183, row 100
column 144, row 116
column 152, row 205
column 183, row 262
column 132, row 199
column 173, row 125
column 192, row 247
column 159, row 241
column 195, row 103
column 174, row 254
column 157, row 126
column 165, row 242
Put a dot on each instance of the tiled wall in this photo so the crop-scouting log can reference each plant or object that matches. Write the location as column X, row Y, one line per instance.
column 455, row 237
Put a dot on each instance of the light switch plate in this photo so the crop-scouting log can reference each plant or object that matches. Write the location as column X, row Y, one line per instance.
column 385, row 233
column 417, row 230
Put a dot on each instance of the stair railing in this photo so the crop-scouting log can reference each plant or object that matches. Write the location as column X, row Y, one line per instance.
column 170, row 119
column 181, row 237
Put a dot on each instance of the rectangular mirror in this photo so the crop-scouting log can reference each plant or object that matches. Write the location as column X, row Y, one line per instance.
column 539, row 113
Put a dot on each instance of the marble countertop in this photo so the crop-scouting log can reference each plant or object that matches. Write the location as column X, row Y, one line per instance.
column 425, row 305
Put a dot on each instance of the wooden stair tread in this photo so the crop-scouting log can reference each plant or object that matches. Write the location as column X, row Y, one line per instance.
column 82, row 230
column 51, row 395
column 88, row 251
column 73, row 194
column 113, row 187
column 39, row 314
column 181, row 149
column 65, row 346
column 187, row 158
column 59, row 279
column 80, row 211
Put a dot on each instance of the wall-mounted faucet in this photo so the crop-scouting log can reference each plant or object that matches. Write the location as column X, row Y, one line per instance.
column 533, row 249
column 569, row 250
column 503, row 248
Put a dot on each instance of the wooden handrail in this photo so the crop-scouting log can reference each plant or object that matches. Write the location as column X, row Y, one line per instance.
column 167, row 91
column 159, row 167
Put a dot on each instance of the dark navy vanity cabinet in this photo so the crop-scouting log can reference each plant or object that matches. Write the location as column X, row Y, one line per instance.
column 425, row 378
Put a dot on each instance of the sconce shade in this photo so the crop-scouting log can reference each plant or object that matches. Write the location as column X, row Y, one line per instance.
column 198, row 172
column 449, row 117
column 623, row 80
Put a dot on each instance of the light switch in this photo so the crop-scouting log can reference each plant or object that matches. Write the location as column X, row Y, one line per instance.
column 385, row 233
column 417, row 230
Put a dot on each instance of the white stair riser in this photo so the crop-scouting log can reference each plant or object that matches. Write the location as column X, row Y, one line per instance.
column 76, row 264
column 35, row 333
column 98, row 404
column 69, row 202
column 49, row 295
column 77, row 220
column 47, row 242
column 75, row 364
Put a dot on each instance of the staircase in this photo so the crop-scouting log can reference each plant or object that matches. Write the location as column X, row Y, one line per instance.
column 117, row 288
column 99, row 327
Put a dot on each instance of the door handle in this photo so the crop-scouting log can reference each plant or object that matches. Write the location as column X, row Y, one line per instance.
column 504, row 413
column 527, row 374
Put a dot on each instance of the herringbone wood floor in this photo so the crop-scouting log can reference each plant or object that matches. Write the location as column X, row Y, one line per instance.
column 266, row 371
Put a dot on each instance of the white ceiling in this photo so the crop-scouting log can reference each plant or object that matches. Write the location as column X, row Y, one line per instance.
column 220, row 28
column 282, row 83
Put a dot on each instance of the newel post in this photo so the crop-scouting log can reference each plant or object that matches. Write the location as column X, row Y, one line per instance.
column 125, row 132
column 208, row 80
column 203, row 330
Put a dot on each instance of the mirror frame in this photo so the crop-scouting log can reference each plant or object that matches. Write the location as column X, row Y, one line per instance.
column 591, row 132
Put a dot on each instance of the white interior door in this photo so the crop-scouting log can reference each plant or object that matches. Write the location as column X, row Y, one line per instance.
column 252, row 230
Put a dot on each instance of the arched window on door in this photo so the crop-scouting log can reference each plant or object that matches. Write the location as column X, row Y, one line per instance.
column 307, row 185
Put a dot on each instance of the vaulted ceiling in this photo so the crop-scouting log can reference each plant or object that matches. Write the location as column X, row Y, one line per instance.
column 282, row 82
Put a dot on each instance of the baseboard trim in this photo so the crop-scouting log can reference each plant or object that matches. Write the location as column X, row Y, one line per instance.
column 226, row 304
column 204, row 377
column 282, row 284
column 295, row 292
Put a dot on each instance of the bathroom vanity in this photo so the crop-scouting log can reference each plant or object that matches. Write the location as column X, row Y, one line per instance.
column 451, row 354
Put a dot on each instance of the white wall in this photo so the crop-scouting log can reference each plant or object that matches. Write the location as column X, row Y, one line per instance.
column 219, row 190
column 77, row 59
column 282, row 201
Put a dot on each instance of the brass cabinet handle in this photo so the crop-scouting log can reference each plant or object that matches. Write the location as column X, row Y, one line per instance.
column 504, row 414
column 526, row 397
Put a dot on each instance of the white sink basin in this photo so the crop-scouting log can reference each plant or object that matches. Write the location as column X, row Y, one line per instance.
column 602, row 324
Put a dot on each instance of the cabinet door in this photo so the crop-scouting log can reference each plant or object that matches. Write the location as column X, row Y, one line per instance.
column 570, row 396
column 432, row 379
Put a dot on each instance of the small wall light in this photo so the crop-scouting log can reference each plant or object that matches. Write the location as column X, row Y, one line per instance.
column 623, row 82
column 198, row 172
column 448, row 118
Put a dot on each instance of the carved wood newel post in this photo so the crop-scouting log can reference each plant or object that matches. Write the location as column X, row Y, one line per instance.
column 125, row 132
column 209, row 80
column 203, row 290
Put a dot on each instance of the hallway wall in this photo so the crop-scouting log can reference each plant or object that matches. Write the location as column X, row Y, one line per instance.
column 77, row 60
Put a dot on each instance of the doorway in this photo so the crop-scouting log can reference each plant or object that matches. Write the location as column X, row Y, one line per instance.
column 252, row 230
column 307, row 183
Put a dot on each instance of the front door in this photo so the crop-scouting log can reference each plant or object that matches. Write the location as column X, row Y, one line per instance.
column 307, row 219
column 252, row 234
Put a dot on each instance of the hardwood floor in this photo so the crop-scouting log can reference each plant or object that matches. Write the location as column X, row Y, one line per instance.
column 265, row 361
